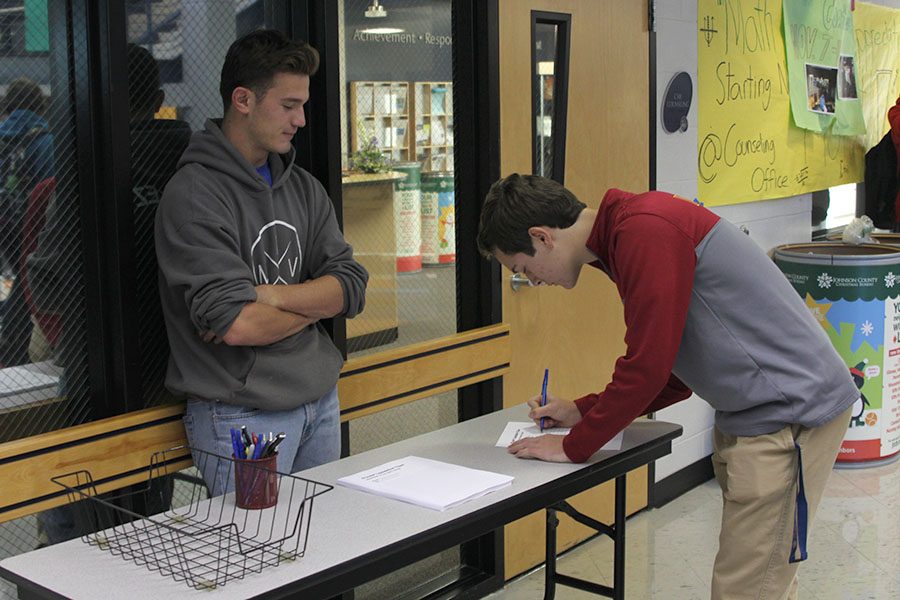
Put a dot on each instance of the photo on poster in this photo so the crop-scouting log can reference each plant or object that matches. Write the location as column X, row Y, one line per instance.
column 846, row 78
column 821, row 85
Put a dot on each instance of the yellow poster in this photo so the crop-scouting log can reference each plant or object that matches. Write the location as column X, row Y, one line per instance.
column 748, row 148
column 877, row 31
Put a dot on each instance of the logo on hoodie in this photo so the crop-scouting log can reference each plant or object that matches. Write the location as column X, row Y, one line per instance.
column 276, row 254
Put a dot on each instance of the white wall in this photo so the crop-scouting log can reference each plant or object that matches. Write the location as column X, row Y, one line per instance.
column 770, row 223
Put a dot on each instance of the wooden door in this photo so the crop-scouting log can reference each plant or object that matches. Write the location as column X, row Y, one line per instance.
column 578, row 333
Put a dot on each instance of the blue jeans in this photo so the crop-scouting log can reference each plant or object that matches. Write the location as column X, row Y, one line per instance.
column 313, row 435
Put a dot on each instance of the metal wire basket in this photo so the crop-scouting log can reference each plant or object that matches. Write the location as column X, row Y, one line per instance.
column 204, row 542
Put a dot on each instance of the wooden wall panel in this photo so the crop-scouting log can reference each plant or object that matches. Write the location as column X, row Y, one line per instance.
column 119, row 448
column 372, row 383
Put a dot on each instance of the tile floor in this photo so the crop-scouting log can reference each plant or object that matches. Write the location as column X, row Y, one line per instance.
column 854, row 550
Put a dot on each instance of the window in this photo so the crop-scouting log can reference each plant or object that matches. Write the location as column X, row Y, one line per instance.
column 175, row 56
column 44, row 382
column 398, row 156
column 550, row 75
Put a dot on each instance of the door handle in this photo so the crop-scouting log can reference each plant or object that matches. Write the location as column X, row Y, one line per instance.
column 518, row 280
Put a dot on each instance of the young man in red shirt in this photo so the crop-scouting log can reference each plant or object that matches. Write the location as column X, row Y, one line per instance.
column 705, row 310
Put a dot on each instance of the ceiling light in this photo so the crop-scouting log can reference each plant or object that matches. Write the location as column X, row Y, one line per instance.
column 375, row 10
column 382, row 30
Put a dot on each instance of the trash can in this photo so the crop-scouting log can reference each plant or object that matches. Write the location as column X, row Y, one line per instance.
column 854, row 293
column 407, row 217
column 438, row 219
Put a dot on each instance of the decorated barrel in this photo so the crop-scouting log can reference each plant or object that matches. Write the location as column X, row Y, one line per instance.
column 407, row 217
column 438, row 219
column 447, row 222
column 430, row 191
column 854, row 293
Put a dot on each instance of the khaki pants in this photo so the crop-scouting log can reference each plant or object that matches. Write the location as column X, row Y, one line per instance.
column 758, row 477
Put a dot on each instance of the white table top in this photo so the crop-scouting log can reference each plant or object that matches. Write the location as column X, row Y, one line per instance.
column 346, row 524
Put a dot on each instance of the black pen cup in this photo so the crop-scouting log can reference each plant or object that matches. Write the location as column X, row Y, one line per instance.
column 256, row 482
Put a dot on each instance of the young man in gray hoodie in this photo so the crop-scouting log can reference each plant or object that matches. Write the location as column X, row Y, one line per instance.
column 250, row 259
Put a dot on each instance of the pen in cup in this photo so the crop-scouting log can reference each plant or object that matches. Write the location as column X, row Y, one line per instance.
column 544, row 394
column 254, row 446
column 237, row 445
column 270, row 449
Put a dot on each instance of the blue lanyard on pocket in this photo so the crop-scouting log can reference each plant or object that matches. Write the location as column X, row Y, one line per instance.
column 801, row 514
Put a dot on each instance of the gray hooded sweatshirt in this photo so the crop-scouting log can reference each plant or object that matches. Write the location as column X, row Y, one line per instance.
column 221, row 231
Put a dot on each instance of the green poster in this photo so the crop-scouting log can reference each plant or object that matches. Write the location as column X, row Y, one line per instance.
column 821, row 61
column 37, row 28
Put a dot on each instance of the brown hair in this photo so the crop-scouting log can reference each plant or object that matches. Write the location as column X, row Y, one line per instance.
column 518, row 202
column 253, row 61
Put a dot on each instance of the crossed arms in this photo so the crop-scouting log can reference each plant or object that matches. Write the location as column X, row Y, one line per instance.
column 282, row 310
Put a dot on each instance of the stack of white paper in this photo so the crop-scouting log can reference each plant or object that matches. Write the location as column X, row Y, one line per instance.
column 425, row 482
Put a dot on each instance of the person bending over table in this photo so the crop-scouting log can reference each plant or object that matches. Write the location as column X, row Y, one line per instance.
column 705, row 310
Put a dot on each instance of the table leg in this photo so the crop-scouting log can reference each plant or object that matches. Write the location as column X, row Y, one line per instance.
column 550, row 556
column 619, row 541
column 552, row 578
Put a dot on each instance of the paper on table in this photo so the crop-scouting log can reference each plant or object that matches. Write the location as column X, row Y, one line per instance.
column 517, row 430
column 425, row 482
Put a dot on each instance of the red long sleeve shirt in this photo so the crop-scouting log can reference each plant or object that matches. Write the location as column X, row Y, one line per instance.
column 646, row 244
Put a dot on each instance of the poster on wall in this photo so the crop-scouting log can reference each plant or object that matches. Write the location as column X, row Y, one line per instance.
column 877, row 32
column 748, row 148
column 822, row 67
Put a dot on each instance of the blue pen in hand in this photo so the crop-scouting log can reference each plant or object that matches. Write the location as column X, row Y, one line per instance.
column 544, row 394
